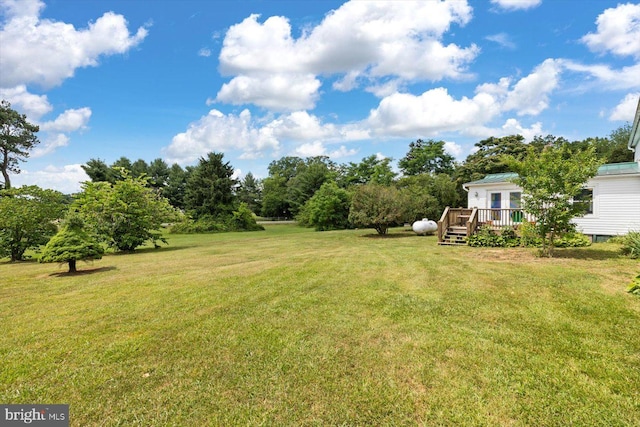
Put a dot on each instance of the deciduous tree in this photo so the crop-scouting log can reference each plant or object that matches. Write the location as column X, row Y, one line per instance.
column 550, row 180
column 126, row 213
column 27, row 219
column 327, row 209
column 17, row 138
column 376, row 206
column 426, row 157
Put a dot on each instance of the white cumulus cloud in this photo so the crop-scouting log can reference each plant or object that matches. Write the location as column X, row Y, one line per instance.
column 530, row 95
column 70, row 121
column 618, row 31
column 361, row 41
column 517, row 4
column 279, row 92
column 46, row 52
column 33, row 106
column 434, row 111
column 626, row 109
column 219, row 132
column 66, row 179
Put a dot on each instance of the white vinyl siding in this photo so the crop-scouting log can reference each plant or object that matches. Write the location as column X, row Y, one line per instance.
column 616, row 206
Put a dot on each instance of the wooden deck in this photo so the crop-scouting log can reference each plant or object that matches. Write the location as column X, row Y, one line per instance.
column 457, row 224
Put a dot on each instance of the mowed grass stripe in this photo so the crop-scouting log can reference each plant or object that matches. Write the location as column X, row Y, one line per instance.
column 293, row 327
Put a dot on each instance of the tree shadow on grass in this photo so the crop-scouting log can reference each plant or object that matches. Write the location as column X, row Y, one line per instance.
column 146, row 250
column 585, row 253
column 84, row 272
column 388, row 236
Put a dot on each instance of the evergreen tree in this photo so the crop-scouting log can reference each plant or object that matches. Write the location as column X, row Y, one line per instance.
column 72, row 244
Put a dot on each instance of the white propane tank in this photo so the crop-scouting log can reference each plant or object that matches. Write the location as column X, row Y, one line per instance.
column 424, row 226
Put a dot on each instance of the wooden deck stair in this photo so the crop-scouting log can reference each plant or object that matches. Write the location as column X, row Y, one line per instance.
column 454, row 235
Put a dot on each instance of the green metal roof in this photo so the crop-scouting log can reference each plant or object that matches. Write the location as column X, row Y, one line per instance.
column 494, row 178
column 618, row 169
column 604, row 170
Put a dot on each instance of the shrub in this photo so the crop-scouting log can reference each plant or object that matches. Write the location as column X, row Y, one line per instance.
column 529, row 236
column 634, row 287
column 631, row 244
column 328, row 209
column 487, row 237
column 240, row 220
column 72, row 244
column 243, row 219
column 572, row 240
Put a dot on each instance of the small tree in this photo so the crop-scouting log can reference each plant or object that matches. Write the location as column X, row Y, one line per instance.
column 209, row 189
column 126, row 213
column 378, row 207
column 27, row 216
column 17, row 137
column 72, row 244
column 328, row 209
column 426, row 157
column 550, row 180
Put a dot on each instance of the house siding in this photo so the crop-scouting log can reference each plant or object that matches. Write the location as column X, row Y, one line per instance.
column 616, row 203
column 616, row 206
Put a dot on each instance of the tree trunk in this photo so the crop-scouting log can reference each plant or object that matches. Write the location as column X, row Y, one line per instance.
column 5, row 172
column 72, row 266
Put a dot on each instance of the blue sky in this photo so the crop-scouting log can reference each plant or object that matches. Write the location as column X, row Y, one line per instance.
column 258, row 80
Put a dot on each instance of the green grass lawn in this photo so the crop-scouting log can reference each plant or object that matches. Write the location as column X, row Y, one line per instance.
column 294, row 327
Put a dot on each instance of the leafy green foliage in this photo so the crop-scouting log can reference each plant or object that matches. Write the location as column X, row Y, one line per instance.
column 27, row 216
column 378, row 207
column 426, row 157
column 209, row 189
column 17, row 137
column 550, row 180
column 427, row 195
column 328, row 209
column 572, row 239
column 634, row 287
column 241, row 219
column 487, row 237
column 371, row 169
column 631, row 244
column 126, row 213
column 250, row 193
column 292, row 181
column 529, row 235
column 72, row 244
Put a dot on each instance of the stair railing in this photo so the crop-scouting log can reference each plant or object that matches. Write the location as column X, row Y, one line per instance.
column 443, row 224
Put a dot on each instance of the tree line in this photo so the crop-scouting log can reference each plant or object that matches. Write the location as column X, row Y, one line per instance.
column 125, row 203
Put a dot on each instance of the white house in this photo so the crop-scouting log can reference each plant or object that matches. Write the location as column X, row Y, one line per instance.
column 615, row 191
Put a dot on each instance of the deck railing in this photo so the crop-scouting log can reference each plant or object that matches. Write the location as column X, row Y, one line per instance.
column 474, row 218
column 501, row 218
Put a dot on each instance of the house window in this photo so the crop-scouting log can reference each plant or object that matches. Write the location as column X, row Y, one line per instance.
column 585, row 196
column 515, row 203
column 496, row 203
column 515, row 200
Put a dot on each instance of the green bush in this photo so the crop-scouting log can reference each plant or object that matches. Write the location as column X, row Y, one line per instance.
column 241, row 219
column 634, row 287
column 487, row 237
column 529, row 236
column 572, row 240
column 631, row 244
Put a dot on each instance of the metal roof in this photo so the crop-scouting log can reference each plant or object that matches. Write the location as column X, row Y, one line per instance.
column 618, row 169
column 604, row 170
column 494, row 178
